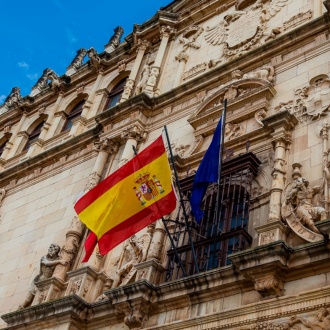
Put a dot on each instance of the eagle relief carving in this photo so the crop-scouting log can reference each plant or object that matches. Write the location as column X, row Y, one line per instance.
column 241, row 30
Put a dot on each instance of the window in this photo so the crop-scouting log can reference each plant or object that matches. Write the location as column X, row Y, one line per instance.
column 33, row 136
column 74, row 113
column 115, row 94
column 224, row 227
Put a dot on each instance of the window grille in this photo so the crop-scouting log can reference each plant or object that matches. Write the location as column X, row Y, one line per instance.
column 215, row 239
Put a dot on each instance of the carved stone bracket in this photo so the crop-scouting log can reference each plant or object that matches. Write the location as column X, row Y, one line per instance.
column 133, row 301
column 265, row 269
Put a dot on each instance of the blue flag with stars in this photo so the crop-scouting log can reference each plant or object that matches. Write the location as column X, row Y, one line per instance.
column 208, row 172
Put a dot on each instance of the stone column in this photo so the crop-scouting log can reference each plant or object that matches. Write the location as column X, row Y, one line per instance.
column 142, row 46
column 152, row 82
column 75, row 233
column 77, row 127
column 132, row 135
column 182, row 58
column 324, row 134
column 9, row 151
column 281, row 126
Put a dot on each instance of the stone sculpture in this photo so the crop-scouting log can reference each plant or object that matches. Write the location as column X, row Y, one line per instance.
column 298, row 204
column 47, row 266
column 134, row 253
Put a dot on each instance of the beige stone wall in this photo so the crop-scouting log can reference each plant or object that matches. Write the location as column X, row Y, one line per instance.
column 32, row 218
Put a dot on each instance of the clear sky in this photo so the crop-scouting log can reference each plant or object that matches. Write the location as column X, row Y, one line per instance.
column 40, row 34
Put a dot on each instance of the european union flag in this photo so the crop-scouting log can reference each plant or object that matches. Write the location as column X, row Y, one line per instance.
column 208, row 171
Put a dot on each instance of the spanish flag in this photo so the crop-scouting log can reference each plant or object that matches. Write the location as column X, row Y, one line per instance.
column 131, row 198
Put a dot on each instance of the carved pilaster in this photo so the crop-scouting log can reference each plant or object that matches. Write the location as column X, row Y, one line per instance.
column 70, row 248
column 151, row 85
column 133, row 135
column 141, row 47
column 281, row 126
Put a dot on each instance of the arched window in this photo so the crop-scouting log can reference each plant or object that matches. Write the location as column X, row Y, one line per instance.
column 33, row 136
column 74, row 113
column 115, row 94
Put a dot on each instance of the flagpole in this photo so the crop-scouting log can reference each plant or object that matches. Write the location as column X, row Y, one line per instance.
column 222, row 139
column 181, row 201
column 169, row 235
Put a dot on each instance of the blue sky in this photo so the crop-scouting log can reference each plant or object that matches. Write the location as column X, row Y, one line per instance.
column 40, row 34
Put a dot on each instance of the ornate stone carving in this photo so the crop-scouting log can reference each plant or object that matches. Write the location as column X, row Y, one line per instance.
column 107, row 145
column 134, row 132
column 143, row 80
column 259, row 116
column 297, row 20
column 285, row 106
column 47, row 266
column 232, row 131
column 166, row 31
column 299, row 208
column 136, row 313
column 188, row 39
column 93, row 179
column 266, row 73
column 134, row 252
column 75, row 286
column 313, row 101
column 50, row 78
column 242, row 30
column 142, row 44
column 194, row 71
column 14, row 99
column 182, row 57
column 181, row 149
column 270, row 285
column 115, row 39
column 122, row 65
column 94, row 58
column 78, row 59
column 322, row 321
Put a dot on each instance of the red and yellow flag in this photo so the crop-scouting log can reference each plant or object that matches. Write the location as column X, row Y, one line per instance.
column 128, row 200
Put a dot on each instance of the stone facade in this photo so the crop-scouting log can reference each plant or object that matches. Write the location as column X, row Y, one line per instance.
column 271, row 61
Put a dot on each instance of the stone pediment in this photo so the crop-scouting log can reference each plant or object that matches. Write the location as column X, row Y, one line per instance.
column 247, row 98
